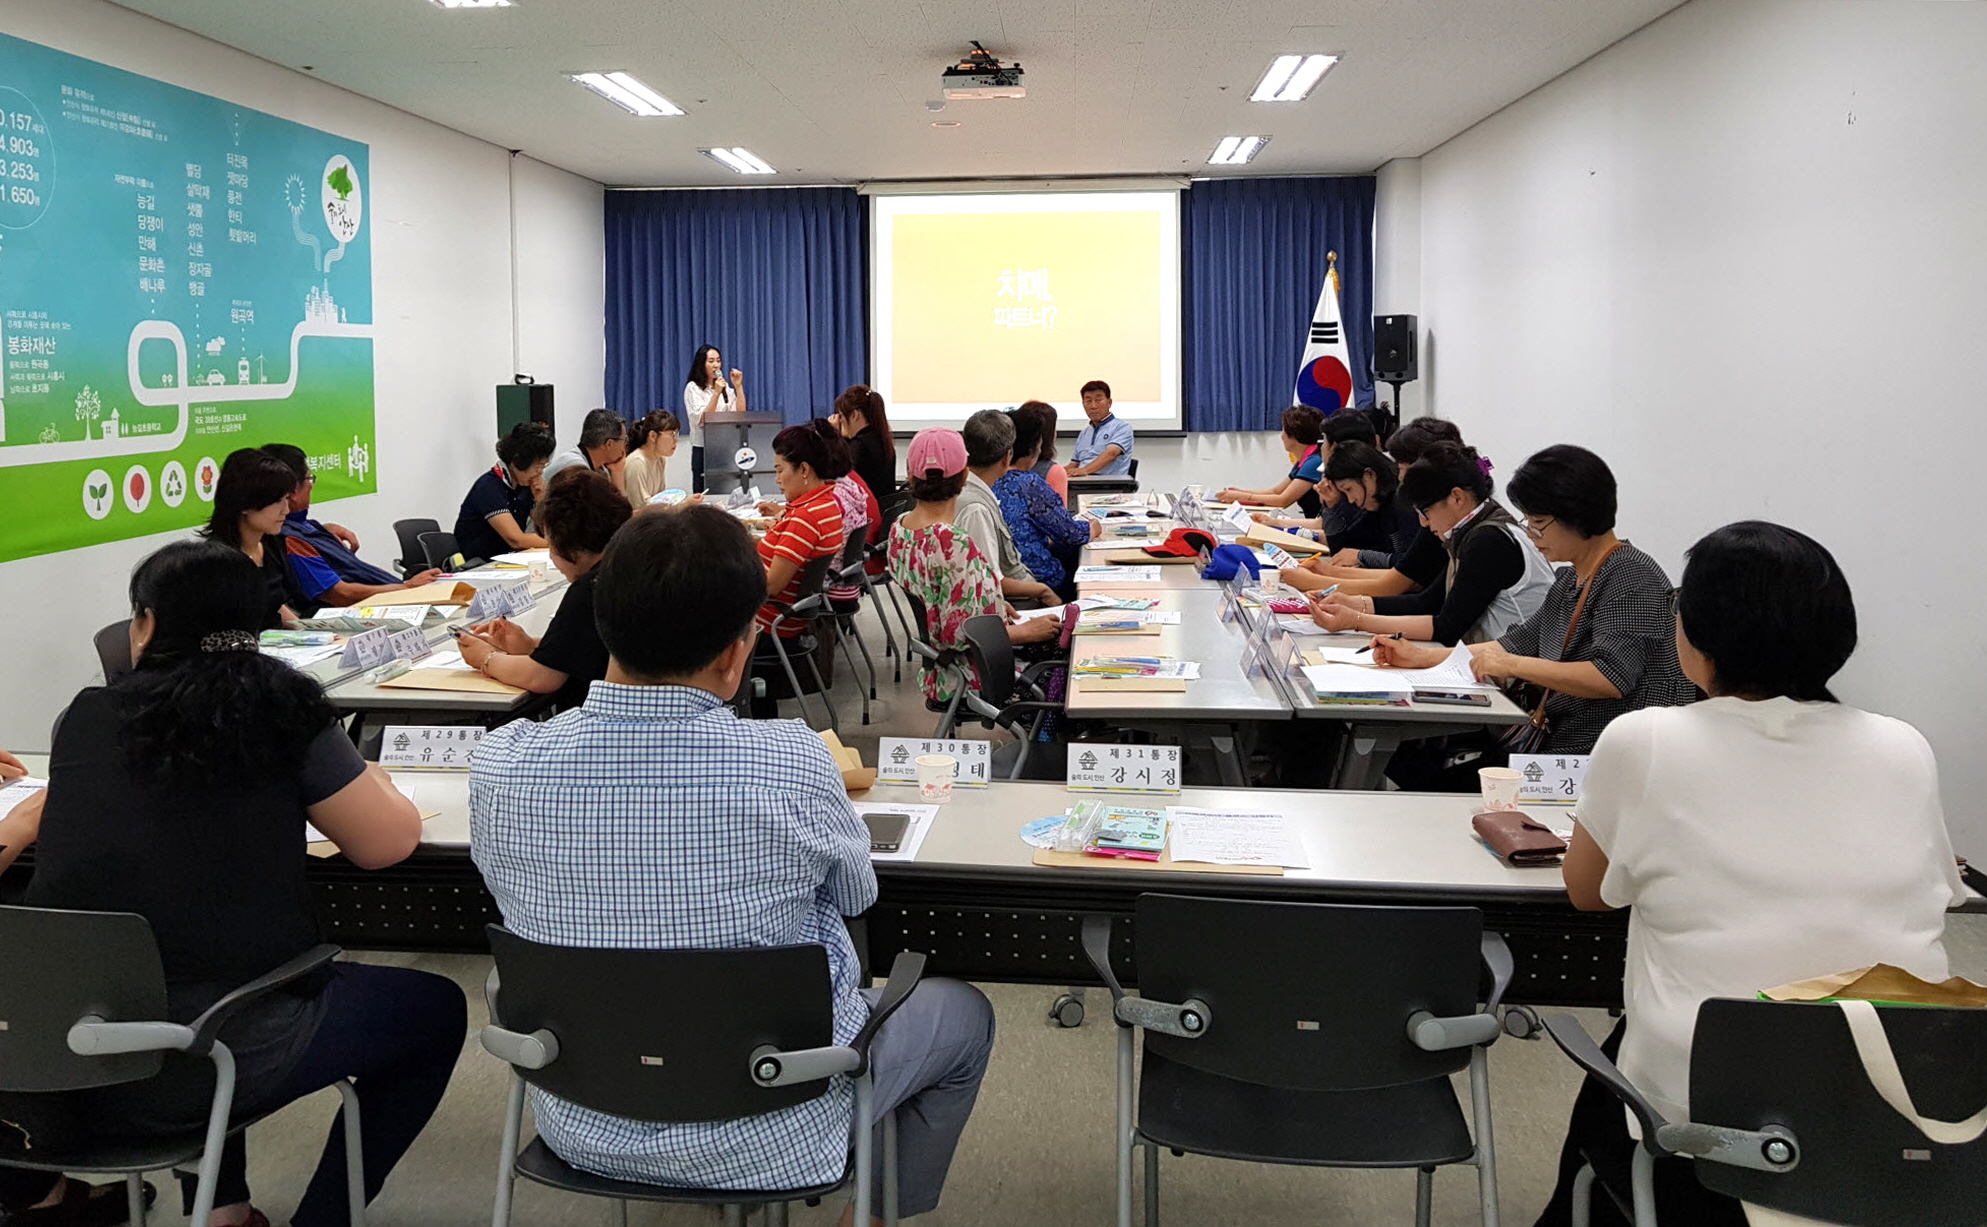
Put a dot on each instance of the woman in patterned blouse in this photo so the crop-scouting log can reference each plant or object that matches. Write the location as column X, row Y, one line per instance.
column 940, row 566
column 1044, row 531
column 1622, row 654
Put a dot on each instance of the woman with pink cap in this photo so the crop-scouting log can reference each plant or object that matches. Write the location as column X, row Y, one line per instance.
column 940, row 565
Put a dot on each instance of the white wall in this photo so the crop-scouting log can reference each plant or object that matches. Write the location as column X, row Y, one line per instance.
column 1253, row 460
column 1740, row 254
column 441, row 303
column 1397, row 267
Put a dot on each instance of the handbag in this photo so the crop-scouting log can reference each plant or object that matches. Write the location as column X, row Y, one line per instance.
column 1517, row 838
column 1530, row 737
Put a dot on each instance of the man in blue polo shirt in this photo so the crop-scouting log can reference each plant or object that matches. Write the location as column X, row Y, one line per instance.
column 1104, row 446
column 323, row 557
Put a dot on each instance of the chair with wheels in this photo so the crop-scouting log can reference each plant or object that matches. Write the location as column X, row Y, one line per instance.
column 1305, row 1033
column 1131, row 470
column 1000, row 696
column 744, row 1032
column 1847, row 1112
column 810, row 606
column 440, row 551
column 84, row 999
column 113, row 644
column 413, row 558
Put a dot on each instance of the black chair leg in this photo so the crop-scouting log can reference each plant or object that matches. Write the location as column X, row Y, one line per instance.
column 1424, row 1196
column 1151, row 1185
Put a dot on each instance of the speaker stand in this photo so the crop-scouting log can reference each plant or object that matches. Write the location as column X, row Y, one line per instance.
column 1395, row 413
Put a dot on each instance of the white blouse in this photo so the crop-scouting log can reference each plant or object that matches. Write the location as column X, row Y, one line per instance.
column 1761, row 843
column 694, row 400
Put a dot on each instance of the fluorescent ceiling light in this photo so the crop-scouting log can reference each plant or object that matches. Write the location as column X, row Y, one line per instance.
column 1291, row 78
column 742, row 160
column 627, row 93
column 472, row 4
column 1237, row 150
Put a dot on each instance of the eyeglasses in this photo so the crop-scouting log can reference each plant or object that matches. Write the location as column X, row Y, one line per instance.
column 1535, row 531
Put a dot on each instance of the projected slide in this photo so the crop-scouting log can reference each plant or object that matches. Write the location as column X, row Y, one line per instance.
column 985, row 301
column 179, row 277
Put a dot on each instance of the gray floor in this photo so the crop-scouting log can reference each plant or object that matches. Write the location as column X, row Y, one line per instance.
column 1038, row 1149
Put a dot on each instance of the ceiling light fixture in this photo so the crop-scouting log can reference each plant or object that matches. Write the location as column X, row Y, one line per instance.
column 742, row 160
column 944, row 123
column 1291, row 78
column 1236, row 150
column 471, row 4
column 626, row 92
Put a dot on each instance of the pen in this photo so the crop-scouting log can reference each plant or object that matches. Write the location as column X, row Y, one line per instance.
column 1369, row 647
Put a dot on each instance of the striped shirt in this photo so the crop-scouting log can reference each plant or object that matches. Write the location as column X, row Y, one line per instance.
column 653, row 818
column 810, row 528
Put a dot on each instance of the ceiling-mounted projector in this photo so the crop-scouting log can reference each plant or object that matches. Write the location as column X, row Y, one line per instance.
column 981, row 75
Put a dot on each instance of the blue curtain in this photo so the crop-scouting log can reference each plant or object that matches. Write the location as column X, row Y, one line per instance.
column 776, row 278
column 1252, row 262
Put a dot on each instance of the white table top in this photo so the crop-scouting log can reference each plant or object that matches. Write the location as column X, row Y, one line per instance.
column 1222, row 692
column 1384, row 839
column 352, row 694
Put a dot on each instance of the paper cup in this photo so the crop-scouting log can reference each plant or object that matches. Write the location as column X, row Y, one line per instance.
column 936, row 772
column 1500, row 787
column 536, row 571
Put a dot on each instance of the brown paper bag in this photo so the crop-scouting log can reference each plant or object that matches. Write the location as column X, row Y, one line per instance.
column 855, row 777
column 1884, row 984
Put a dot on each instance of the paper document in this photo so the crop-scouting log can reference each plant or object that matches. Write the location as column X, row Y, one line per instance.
column 1298, row 624
column 1356, row 683
column 1228, row 837
column 1029, row 615
column 914, row 835
column 1452, row 674
column 19, row 791
column 1111, row 573
column 1327, row 655
column 1133, row 617
column 304, row 658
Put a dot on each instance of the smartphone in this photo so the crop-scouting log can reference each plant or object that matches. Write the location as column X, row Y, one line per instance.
column 1455, row 698
column 886, row 831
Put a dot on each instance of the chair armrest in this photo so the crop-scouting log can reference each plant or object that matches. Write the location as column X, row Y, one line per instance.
column 1032, row 675
column 771, row 1067
column 1097, row 948
column 1497, row 957
column 534, row 1051
column 905, row 972
column 91, row 1036
column 210, row 1023
column 1573, row 1039
column 1188, row 1020
column 1432, row 1034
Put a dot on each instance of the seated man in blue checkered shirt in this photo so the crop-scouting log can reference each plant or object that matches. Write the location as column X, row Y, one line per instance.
column 652, row 817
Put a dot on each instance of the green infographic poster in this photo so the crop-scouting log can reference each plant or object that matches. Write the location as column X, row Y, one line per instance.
column 179, row 277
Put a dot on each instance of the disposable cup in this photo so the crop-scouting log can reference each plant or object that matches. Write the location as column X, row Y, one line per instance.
column 935, row 776
column 1500, row 787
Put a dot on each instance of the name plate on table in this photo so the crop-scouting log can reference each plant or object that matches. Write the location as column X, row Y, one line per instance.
column 897, row 759
column 501, row 600
column 1106, row 767
column 444, row 747
column 1549, row 777
column 363, row 651
column 409, row 646
column 1256, row 656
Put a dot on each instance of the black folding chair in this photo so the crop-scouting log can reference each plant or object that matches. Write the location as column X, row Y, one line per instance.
column 413, row 558
column 439, row 550
column 810, row 605
column 850, row 571
column 742, row 1032
column 113, row 644
column 1002, row 697
column 883, row 582
column 1784, row 1115
column 83, row 996
column 1305, row 1033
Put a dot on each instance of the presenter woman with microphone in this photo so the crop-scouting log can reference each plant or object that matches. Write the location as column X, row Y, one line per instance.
column 708, row 392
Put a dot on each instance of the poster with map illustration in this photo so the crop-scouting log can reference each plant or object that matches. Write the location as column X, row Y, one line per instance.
column 179, row 277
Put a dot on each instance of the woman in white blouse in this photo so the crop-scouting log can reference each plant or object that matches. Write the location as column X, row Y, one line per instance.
column 708, row 391
column 1767, row 834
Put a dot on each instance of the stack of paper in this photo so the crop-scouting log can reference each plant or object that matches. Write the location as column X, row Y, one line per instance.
column 1357, row 684
column 1111, row 573
column 1228, row 837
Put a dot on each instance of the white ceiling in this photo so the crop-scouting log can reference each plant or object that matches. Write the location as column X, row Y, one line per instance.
column 835, row 90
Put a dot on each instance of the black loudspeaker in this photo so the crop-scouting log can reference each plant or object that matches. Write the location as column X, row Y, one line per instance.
column 1393, row 349
column 522, row 402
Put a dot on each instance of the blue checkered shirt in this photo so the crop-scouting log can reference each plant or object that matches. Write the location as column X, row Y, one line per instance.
column 652, row 817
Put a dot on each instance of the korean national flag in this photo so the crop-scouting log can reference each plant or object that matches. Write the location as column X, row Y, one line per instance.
column 1324, row 377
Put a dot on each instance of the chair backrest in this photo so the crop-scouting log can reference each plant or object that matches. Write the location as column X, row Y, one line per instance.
column 437, row 548
column 413, row 559
column 1309, row 995
column 114, row 650
column 893, row 505
column 1131, row 470
column 813, row 578
column 850, row 559
column 992, row 655
column 664, row 1035
column 1755, row 1063
column 58, row 967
